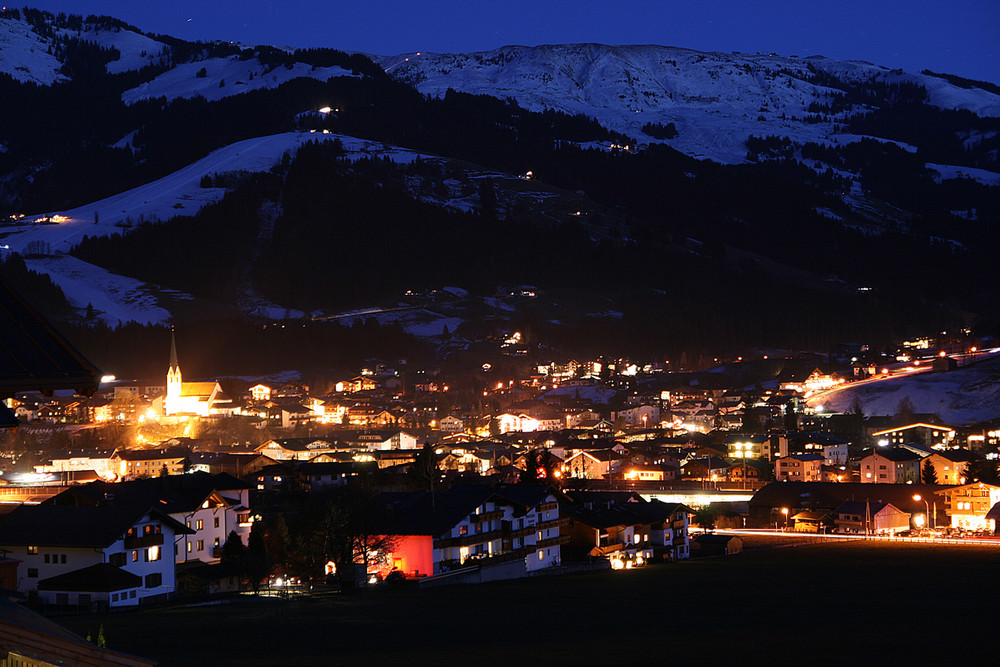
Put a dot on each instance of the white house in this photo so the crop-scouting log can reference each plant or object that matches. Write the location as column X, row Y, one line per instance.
column 60, row 545
column 209, row 506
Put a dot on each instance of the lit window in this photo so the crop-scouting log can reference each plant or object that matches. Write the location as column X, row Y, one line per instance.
column 152, row 554
column 201, row 524
column 32, row 551
column 541, row 554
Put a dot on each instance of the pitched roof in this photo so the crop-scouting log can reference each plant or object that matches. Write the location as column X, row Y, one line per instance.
column 897, row 454
column 33, row 355
column 152, row 454
column 171, row 493
column 830, row 495
column 862, row 508
column 101, row 577
column 75, row 526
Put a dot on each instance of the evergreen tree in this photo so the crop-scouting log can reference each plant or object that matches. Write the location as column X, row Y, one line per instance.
column 233, row 550
column 256, row 559
column 928, row 475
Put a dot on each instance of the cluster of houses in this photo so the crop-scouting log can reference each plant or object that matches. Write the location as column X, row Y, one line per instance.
column 110, row 545
column 884, row 509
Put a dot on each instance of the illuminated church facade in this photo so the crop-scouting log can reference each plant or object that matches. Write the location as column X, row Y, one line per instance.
column 191, row 399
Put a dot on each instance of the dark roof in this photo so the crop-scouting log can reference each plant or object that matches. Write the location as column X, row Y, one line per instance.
column 102, row 577
column 75, row 526
column 994, row 513
column 625, row 513
column 152, row 454
column 419, row 514
column 956, row 455
column 830, row 495
column 416, row 514
column 861, row 508
column 33, row 355
column 897, row 454
column 171, row 493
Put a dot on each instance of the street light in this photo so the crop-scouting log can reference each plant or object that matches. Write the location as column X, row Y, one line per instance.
column 917, row 497
column 784, row 510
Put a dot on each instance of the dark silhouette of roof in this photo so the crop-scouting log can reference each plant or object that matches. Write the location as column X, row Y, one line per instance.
column 830, row 495
column 102, row 578
column 33, row 355
column 170, row 493
column 76, row 526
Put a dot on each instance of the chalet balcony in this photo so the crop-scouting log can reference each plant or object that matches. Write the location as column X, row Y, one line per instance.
column 467, row 540
column 154, row 540
column 552, row 542
column 554, row 523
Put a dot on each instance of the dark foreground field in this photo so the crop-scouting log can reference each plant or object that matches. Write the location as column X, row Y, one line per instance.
column 809, row 604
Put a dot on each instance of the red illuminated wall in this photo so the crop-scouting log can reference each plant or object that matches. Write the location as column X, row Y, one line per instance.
column 414, row 554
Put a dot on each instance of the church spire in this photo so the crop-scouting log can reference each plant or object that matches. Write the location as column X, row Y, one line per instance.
column 173, row 350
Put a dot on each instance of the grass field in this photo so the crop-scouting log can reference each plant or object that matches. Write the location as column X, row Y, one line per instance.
column 808, row 604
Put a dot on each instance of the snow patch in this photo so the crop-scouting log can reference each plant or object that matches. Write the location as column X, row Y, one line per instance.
column 217, row 78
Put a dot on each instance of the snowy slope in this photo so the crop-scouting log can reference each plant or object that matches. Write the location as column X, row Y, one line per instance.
column 968, row 395
column 118, row 298
column 137, row 51
column 114, row 298
column 715, row 100
column 24, row 55
column 224, row 77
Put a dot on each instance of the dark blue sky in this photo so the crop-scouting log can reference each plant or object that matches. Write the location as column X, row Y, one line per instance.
column 955, row 36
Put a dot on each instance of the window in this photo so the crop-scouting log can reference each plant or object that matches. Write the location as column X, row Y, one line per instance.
column 216, row 522
column 84, row 599
column 201, row 524
column 217, row 541
column 114, row 597
column 32, row 573
column 63, row 559
column 135, row 555
column 118, row 559
column 154, row 580
column 131, row 594
column 62, row 598
column 152, row 554
column 190, row 546
column 32, row 551
column 463, row 530
column 201, row 545
column 47, row 557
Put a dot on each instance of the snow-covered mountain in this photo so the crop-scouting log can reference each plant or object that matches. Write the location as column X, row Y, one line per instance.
column 715, row 100
column 29, row 56
column 216, row 78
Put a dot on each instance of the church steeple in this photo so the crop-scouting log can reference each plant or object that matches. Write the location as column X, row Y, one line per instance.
column 171, row 403
column 173, row 350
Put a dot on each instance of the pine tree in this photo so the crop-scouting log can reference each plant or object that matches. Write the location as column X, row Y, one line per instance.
column 928, row 475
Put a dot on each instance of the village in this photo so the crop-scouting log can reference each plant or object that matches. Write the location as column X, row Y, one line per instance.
column 218, row 488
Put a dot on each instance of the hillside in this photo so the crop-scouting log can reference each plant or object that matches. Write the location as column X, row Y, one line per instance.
column 968, row 395
column 715, row 100
column 647, row 198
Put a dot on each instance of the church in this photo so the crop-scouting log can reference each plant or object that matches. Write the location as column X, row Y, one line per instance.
column 191, row 399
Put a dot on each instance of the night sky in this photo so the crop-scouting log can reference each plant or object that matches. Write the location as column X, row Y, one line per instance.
column 954, row 36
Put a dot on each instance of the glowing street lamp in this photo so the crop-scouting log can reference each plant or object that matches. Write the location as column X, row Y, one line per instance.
column 918, row 498
column 784, row 510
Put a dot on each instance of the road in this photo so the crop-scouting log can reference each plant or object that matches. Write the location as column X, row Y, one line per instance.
column 946, row 541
